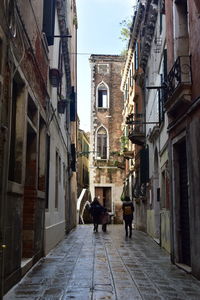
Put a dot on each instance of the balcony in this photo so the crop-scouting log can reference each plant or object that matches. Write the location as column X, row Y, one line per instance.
column 136, row 128
column 178, row 86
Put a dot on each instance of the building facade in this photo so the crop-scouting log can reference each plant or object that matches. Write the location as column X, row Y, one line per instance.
column 153, row 61
column 183, row 108
column 145, row 122
column 24, row 95
column 35, row 136
column 133, row 125
column 168, row 56
column 106, row 164
column 61, row 131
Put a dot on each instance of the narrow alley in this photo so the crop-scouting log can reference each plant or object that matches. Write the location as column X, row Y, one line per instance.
column 87, row 265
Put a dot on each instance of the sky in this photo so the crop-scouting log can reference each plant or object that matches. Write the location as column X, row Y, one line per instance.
column 98, row 33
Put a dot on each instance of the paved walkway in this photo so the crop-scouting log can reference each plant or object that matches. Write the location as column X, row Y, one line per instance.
column 97, row 266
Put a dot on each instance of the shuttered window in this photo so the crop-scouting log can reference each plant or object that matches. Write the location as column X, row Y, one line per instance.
column 73, row 105
column 73, row 154
column 49, row 20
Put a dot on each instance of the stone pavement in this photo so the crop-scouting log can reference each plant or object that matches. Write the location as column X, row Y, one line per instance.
column 97, row 266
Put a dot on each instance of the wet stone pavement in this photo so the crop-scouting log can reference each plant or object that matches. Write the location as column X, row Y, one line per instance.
column 106, row 266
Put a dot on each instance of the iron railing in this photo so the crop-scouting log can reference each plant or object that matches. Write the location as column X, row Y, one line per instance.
column 136, row 123
column 179, row 74
column 134, row 118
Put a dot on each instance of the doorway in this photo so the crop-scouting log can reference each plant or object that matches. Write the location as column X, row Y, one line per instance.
column 184, row 223
column 104, row 195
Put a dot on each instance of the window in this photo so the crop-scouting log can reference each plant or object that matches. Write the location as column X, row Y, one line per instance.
column 57, row 178
column 102, row 96
column 162, row 92
column 73, row 157
column 49, row 20
column 64, row 176
column 60, row 68
column 130, row 78
column 48, row 146
column 162, row 11
column 102, row 143
column 180, row 15
column 73, row 105
column 41, row 155
column 136, row 57
column 17, row 130
column 163, row 189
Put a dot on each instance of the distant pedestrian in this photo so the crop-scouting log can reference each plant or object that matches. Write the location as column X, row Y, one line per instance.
column 128, row 210
column 96, row 210
column 105, row 219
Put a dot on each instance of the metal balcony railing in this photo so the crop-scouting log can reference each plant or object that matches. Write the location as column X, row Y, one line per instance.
column 136, row 128
column 179, row 74
column 134, row 118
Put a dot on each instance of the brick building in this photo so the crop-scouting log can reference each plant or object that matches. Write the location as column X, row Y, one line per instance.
column 106, row 164
column 35, row 135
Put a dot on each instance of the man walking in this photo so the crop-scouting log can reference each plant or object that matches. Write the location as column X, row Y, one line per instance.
column 128, row 210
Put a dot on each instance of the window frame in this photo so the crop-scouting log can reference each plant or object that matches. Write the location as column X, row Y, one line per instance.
column 101, row 144
column 102, row 86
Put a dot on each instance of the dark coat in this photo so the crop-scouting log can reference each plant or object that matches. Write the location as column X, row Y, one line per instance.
column 96, row 209
column 128, row 210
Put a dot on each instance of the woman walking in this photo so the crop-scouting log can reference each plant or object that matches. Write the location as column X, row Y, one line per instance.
column 96, row 210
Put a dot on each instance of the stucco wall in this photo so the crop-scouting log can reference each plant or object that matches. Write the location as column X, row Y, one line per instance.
column 53, row 235
column 151, row 223
column 165, row 229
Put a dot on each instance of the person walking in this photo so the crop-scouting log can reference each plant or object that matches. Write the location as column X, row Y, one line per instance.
column 128, row 210
column 96, row 210
column 105, row 218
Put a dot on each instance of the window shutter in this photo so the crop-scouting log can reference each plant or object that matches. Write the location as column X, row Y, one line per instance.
column 144, row 165
column 73, row 154
column 73, row 105
column 49, row 20
column 165, row 63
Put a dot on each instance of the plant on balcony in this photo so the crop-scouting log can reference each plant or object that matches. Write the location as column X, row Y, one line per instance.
column 124, row 144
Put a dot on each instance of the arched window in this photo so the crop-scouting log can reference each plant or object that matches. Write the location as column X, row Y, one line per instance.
column 102, row 95
column 101, row 143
